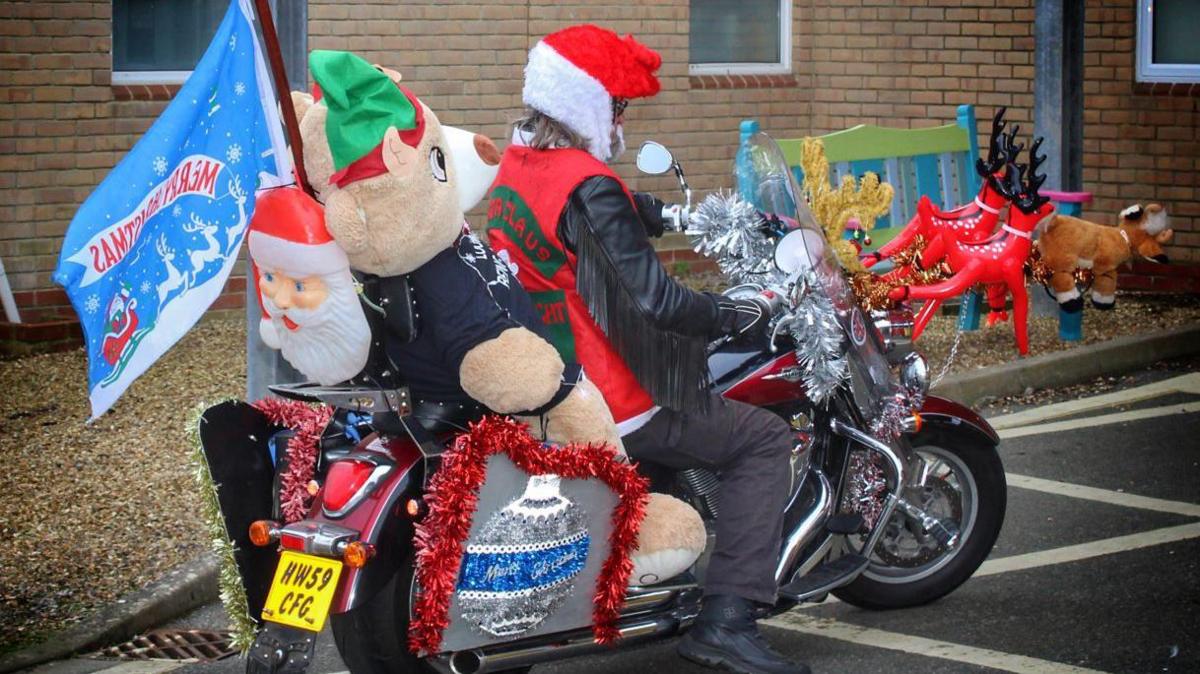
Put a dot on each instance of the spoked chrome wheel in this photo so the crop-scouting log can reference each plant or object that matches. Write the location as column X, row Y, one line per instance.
column 964, row 487
column 905, row 552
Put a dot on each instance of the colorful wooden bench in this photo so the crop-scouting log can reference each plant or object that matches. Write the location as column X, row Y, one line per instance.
column 938, row 162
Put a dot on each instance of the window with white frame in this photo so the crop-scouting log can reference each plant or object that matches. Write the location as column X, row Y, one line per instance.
column 1167, row 46
column 160, row 41
column 740, row 37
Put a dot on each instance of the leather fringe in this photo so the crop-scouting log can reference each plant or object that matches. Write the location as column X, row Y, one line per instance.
column 673, row 368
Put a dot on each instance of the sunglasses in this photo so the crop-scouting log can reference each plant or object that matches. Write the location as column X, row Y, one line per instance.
column 618, row 106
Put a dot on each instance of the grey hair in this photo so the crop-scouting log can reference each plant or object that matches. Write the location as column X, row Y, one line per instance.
column 545, row 132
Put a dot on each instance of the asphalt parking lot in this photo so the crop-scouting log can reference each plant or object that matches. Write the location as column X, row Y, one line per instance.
column 1097, row 567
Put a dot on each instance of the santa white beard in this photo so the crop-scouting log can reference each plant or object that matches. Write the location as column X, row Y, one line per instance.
column 332, row 341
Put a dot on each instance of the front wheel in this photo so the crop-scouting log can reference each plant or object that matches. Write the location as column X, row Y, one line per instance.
column 966, row 486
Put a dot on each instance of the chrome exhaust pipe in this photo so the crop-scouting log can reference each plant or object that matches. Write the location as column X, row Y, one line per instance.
column 808, row 527
column 580, row 642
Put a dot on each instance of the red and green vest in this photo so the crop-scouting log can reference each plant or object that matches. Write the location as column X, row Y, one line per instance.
column 526, row 201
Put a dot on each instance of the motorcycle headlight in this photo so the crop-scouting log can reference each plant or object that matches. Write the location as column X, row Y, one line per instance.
column 914, row 376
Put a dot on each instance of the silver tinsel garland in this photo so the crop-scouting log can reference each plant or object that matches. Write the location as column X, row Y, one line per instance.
column 814, row 327
column 730, row 230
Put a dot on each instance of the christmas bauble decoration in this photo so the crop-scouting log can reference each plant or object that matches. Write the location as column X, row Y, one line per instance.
column 521, row 566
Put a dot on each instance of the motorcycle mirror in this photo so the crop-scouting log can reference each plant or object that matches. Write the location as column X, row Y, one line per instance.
column 654, row 158
column 792, row 252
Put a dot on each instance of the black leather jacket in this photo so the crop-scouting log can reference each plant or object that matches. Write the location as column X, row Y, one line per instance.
column 601, row 205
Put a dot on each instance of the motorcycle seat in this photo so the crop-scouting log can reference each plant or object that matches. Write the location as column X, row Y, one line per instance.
column 442, row 418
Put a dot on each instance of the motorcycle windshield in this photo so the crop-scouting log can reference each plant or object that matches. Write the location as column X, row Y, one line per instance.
column 764, row 179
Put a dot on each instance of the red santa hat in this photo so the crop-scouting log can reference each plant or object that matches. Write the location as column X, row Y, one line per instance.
column 573, row 76
column 288, row 234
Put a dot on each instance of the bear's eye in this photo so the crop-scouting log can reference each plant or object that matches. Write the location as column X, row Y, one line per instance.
column 437, row 163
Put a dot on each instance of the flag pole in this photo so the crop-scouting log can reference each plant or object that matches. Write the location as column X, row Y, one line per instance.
column 279, row 74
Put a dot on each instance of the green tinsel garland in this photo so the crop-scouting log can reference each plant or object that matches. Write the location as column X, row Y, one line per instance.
column 229, row 581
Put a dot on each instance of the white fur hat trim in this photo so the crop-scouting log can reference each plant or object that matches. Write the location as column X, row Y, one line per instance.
column 565, row 92
column 297, row 259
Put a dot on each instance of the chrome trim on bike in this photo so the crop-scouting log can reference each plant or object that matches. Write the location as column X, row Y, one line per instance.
column 946, row 535
column 870, row 442
column 637, row 599
column 807, row 528
column 555, row 647
column 896, row 467
column 382, row 467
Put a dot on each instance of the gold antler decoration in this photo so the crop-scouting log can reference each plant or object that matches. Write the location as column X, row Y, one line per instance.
column 833, row 207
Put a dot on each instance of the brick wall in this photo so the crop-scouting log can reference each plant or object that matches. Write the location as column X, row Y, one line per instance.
column 912, row 66
column 62, row 125
column 466, row 61
column 1141, row 142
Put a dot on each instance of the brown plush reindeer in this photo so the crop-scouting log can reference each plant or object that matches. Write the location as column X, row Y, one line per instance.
column 1070, row 243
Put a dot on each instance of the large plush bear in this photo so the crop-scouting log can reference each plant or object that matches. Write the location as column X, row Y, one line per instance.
column 394, row 183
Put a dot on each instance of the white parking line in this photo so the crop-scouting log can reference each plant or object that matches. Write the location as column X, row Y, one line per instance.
column 1082, row 551
column 1102, row 495
column 933, row 648
column 1188, row 383
column 1102, row 420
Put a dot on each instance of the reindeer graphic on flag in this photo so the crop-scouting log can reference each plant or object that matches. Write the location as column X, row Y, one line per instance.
column 152, row 247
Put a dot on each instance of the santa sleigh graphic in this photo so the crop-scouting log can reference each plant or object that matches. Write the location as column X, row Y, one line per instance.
column 121, row 335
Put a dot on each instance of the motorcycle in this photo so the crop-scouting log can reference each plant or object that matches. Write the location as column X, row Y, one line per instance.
column 896, row 497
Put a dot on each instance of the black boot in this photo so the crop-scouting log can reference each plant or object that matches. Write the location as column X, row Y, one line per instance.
column 725, row 636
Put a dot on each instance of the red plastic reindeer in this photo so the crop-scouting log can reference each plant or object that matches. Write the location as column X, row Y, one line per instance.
column 970, row 222
column 996, row 260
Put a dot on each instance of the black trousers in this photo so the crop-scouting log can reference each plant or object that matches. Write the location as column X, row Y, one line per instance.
column 750, row 449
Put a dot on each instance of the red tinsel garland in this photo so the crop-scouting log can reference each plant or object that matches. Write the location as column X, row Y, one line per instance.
column 453, row 496
column 308, row 422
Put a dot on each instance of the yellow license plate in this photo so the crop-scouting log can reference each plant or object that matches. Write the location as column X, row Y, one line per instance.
column 302, row 591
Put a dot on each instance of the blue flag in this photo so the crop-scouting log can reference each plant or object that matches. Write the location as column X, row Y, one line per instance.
column 152, row 247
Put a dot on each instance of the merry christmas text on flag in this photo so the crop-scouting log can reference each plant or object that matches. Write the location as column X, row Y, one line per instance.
column 152, row 247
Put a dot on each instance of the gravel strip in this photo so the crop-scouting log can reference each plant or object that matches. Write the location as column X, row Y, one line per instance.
column 93, row 512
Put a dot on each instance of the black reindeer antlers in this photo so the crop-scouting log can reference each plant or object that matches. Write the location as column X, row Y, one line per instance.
column 996, row 156
column 1019, row 183
column 1022, row 182
column 1030, row 200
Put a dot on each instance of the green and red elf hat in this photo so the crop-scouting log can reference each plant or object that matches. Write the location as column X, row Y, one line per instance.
column 363, row 104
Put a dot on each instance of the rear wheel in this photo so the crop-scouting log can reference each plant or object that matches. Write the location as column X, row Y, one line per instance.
column 966, row 486
column 373, row 638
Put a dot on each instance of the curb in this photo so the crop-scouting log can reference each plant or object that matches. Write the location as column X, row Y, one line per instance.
column 1073, row 366
column 181, row 589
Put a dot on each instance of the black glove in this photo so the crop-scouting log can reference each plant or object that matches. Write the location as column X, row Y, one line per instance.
column 650, row 211
column 741, row 318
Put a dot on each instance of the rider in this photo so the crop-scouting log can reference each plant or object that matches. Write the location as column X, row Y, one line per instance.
column 579, row 239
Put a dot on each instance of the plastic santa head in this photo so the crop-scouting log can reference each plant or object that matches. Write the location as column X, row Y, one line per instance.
column 311, row 310
column 575, row 75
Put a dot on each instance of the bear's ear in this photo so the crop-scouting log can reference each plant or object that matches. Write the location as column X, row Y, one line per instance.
column 399, row 157
column 301, row 102
column 393, row 75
